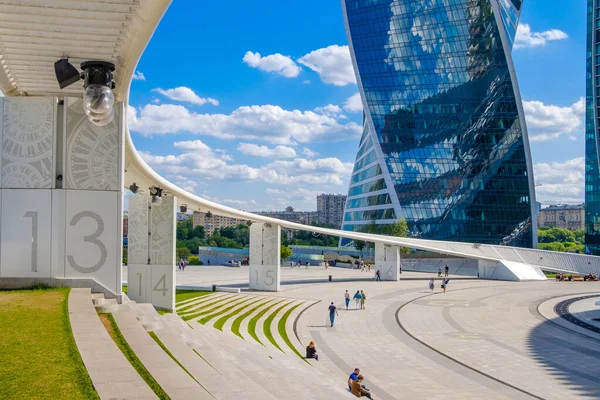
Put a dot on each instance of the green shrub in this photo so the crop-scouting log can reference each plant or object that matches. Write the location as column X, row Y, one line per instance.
column 194, row 260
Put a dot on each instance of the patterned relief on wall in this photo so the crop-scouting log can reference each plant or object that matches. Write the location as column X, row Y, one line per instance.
column 379, row 253
column 92, row 158
column 137, row 230
column 271, row 246
column 255, row 246
column 162, row 232
column 28, row 126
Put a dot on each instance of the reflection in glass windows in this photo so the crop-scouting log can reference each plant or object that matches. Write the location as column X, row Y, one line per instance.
column 592, row 135
column 443, row 118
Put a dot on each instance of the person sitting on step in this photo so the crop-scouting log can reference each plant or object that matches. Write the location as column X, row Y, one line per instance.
column 311, row 351
column 358, row 389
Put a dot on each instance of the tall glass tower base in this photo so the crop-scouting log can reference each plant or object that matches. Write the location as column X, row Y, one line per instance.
column 592, row 174
column 445, row 144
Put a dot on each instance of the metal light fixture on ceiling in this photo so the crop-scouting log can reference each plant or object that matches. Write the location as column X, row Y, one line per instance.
column 183, row 208
column 156, row 194
column 98, row 97
column 134, row 188
column 209, row 215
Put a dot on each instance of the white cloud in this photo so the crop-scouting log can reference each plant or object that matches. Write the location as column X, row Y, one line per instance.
column 354, row 103
column 267, row 123
column 330, row 110
column 306, row 82
column 199, row 161
column 138, row 76
column 548, row 122
column 277, row 63
column 309, row 153
column 185, row 94
column 333, row 64
column 561, row 182
column 525, row 38
column 299, row 198
column 264, row 151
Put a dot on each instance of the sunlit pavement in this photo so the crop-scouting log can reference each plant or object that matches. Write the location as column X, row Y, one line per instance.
column 480, row 340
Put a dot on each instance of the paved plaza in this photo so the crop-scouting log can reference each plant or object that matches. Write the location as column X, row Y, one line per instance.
column 480, row 340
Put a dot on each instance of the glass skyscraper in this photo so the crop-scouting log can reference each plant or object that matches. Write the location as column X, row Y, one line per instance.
column 592, row 176
column 444, row 142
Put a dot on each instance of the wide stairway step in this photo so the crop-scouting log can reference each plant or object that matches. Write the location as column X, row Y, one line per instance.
column 170, row 376
column 283, row 376
column 111, row 373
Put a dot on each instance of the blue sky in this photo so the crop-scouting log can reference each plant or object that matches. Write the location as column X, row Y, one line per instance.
column 251, row 103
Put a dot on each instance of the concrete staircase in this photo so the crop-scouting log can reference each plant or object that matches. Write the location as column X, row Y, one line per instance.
column 208, row 363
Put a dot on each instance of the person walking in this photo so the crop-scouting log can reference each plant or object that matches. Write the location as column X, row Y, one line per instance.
column 363, row 298
column 183, row 265
column 332, row 313
column 347, row 298
column 446, row 269
column 431, row 285
column 307, row 265
column 445, row 284
column 357, row 298
column 378, row 275
column 369, row 267
column 439, row 271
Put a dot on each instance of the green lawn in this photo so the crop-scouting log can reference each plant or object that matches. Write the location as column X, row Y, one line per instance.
column 38, row 355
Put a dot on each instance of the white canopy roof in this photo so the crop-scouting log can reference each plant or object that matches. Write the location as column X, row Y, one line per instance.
column 34, row 34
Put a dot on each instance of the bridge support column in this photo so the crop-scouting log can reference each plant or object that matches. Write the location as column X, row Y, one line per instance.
column 61, row 194
column 151, row 251
column 265, row 257
column 387, row 258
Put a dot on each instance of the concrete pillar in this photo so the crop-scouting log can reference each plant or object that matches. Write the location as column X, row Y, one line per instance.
column 61, row 192
column 265, row 256
column 151, row 251
column 387, row 258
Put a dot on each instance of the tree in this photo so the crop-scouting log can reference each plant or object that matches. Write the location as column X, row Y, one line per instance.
column 360, row 245
column 286, row 252
column 194, row 260
column 198, row 232
column 183, row 252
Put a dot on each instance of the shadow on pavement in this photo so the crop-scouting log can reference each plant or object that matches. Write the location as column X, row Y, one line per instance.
column 571, row 358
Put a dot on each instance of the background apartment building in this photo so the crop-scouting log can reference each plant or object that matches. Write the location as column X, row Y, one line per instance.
column 563, row 216
column 212, row 222
column 330, row 209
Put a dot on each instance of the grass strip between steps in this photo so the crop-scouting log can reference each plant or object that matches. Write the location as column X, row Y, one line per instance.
column 283, row 332
column 162, row 346
column 235, row 326
column 222, row 311
column 221, row 321
column 254, row 320
column 206, row 361
column 203, row 309
column 267, row 325
column 184, row 295
column 201, row 302
column 113, row 330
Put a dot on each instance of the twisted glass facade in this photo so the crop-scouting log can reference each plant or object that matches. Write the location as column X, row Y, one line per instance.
column 444, row 145
column 592, row 175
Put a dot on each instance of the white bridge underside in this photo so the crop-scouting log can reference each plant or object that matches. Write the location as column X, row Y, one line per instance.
column 36, row 33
